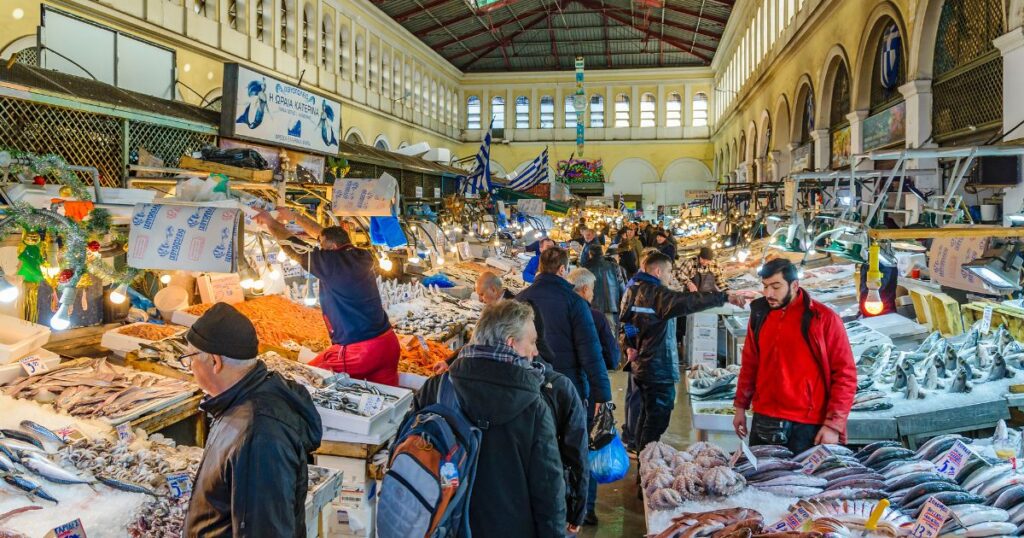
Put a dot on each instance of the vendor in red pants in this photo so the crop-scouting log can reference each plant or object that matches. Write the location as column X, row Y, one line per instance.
column 364, row 345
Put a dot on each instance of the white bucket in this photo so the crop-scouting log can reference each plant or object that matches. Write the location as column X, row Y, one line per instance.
column 989, row 212
column 170, row 299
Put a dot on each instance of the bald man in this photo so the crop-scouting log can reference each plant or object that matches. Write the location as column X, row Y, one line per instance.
column 490, row 289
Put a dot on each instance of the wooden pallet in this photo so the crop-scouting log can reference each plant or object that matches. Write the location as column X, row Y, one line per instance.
column 247, row 174
column 937, row 311
column 1012, row 318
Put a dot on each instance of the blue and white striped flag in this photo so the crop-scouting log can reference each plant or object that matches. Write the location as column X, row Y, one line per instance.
column 480, row 179
column 532, row 175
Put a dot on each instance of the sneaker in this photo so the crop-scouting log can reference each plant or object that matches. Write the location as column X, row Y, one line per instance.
column 591, row 519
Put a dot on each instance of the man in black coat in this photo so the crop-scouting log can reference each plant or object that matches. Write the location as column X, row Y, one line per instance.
column 252, row 480
column 609, row 283
column 569, row 328
column 648, row 319
column 519, row 490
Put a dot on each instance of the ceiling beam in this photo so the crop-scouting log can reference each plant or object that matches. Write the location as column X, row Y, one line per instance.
column 484, row 50
column 402, row 17
column 692, row 13
column 668, row 51
column 481, row 31
column 648, row 33
column 607, row 42
column 729, row 3
column 554, row 44
column 437, row 26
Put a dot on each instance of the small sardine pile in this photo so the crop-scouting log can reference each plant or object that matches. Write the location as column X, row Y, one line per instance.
column 292, row 370
column 94, row 388
column 347, row 395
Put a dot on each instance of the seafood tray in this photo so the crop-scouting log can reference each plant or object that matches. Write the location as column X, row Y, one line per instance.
column 319, row 497
column 121, row 343
column 19, row 337
column 392, row 413
column 10, row 372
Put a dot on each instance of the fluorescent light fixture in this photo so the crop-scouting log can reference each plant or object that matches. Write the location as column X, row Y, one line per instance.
column 999, row 267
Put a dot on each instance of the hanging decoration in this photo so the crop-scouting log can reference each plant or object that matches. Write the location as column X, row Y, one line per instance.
column 38, row 167
column 579, row 102
column 581, row 171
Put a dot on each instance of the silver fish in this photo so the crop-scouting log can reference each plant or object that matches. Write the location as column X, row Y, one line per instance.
column 42, row 431
column 127, row 486
column 913, row 390
column 931, row 378
column 51, row 471
column 999, row 369
column 791, row 491
column 980, row 478
column 794, row 479
column 20, row 446
column 960, row 382
column 1009, row 498
column 988, row 528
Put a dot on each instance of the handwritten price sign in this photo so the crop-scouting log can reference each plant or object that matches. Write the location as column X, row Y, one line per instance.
column 33, row 365
column 180, row 484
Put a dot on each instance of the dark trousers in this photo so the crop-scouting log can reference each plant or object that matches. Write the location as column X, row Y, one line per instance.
column 592, row 483
column 633, row 406
column 796, row 436
column 657, row 401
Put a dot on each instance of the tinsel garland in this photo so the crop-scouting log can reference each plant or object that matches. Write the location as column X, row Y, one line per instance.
column 24, row 163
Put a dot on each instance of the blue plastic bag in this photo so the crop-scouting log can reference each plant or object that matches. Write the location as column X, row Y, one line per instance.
column 387, row 231
column 609, row 463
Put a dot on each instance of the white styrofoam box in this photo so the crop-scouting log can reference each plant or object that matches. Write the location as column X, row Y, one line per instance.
column 703, row 333
column 18, row 337
column 12, row 371
column 121, row 343
column 411, row 381
column 707, row 358
column 379, row 433
column 306, row 355
column 502, row 264
column 349, row 422
column 39, row 196
column 353, row 523
column 701, row 319
column 714, row 422
column 180, row 317
column 353, row 470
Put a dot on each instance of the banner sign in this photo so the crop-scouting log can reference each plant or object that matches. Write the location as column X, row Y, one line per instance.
column 580, row 104
column 360, row 197
column 261, row 108
column 885, row 128
column 185, row 237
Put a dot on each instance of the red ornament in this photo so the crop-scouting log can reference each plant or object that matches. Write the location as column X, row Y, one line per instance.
column 93, row 246
column 39, row 180
column 65, row 276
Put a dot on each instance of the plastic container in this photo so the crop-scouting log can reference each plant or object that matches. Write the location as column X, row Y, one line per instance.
column 10, row 372
column 19, row 337
column 121, row 343
column 170, row 299
column 340, row 420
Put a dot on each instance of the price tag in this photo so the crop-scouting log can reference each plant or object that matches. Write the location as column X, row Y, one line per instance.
column 72, row 529
column 437, row 192
column 180, row 484
column 124, row 432
column 954, row 459
column 33, row 365
column 371, row 404
column 750, row 455
column 70, row 434
column 793, row 521
column 423, row 343
column 819, row 455
column 929, row 523
column 986, row 320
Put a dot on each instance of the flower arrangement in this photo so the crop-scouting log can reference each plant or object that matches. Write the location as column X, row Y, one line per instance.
column 581, row 171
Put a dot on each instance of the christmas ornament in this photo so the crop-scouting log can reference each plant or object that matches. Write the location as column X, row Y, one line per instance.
column 39, row 180
column 65, row 276
column 93, row 246
column 66, row 191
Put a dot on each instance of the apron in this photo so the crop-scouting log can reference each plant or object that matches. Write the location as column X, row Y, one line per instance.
column 705, row 281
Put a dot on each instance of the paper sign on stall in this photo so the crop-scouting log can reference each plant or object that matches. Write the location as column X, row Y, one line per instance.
column 361, row 197
column 530, row 206
column 819, row 455
column 929, row 523
column 957, row 456
column 986, row 320
column 33, row 365
column 71, row 529
column 185, row 237
column 793, row 521
column 220, row 288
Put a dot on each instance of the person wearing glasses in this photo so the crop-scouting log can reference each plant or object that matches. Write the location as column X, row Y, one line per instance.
column 253, row 479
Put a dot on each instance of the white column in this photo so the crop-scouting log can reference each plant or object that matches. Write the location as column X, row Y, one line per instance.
column 856, row 119
column 534, row 109
column 662, row 118
column 609, row 108
column 822, row 148
column 688, row 106
column 918, row 96
column 634, row 108
column 1011, row 46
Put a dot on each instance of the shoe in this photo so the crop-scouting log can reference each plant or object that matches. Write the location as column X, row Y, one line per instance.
column 591, row 519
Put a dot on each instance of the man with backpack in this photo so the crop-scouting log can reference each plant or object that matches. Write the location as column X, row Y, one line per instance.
column 511, row 477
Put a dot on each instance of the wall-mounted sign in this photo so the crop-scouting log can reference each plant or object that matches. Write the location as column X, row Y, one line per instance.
column 261, row 108
column 885, row 128
column 803, row 157
column 841, row 147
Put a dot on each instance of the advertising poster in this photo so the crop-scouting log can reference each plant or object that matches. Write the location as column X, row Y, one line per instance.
column 184, row 237
column 261, row 108
column 841, row 148
column 885, row 128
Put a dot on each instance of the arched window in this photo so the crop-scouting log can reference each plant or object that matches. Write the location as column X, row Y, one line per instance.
column 372, row 66
column 597, row 111
column 473, row 112
column 570, row 112
column 344, row 52
column 308, row 44
column 354, row 138
column 360, row 62
column 410, row 99
column 839, row 106
column 236, row 20
column 700, row 110
column 433, row 98
column 498, row 112
column 455, row 109
column 382, row 143
column 385, row 73
column 522, row 112
column 621, row 110
column 648, row 110
column 284, row 25
column 967, row 85
column 547, row 112
column 261, row 35
column 326, row 38
column 674, row 110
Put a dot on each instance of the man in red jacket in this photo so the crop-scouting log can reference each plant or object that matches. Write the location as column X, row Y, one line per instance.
column 797, row 370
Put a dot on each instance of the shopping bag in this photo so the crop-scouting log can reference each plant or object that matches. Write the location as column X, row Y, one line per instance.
column 609, row 464
column 603, row 430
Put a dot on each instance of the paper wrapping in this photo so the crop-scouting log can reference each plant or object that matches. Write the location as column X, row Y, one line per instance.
column 360, row 197
column 185, row 237
column 946, row 258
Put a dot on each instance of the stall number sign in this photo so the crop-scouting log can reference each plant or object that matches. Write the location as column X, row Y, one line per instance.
column 437, row 192
column 33, row 365
column 954, row 460
column 819, row 455
column 793, row 521
column 72, row 529
column 929, row 523
column 180, row 484
column 986, row 320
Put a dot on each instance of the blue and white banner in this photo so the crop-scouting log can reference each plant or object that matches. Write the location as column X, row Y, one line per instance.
column 891, row 51
column 261, row 108
column 534, row 174
column 480, row 179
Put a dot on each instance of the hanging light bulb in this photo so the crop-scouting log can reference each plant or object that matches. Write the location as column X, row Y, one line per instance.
column 385, row 263
column 273, row 272
column 440, row 260
column 62, row 318
column 119, row 294
column 258, row 285
column 743, row 255
column 453, row 249
column 165, row 279
column 247, row 276
column 873, row 303
column 415, row 259
column 281, row 256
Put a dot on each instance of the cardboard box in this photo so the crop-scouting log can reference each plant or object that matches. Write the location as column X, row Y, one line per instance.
column 706, row 358
column 354, row 469
column 701, row 320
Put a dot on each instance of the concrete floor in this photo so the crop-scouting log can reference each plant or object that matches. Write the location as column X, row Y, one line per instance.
column 619, row 511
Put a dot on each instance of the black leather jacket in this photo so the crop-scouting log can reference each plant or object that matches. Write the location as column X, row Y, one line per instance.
column 650, row 310
column 609, row 285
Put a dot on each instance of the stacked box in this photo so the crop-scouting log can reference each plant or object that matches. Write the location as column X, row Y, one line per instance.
column 701, row 345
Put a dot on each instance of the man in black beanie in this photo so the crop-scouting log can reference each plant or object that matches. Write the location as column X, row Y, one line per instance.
column 252, row 480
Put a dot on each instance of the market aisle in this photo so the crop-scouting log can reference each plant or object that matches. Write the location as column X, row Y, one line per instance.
column 620, row 513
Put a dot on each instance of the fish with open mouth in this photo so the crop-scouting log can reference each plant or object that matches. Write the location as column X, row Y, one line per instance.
column 960, row 381
column 999, row 369
column 913, row 390
column 931, row 378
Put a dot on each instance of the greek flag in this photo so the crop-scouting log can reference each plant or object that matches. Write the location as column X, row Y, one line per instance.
column 534, row 174
column 480, row 179
column 890, row 57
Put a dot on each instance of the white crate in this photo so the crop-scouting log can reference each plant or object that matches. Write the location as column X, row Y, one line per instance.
column 706, row 358
column 701, row 319
column 392, row 414
column 121, row 343
column 411, row 381
column 12, row 371
column 19, row 337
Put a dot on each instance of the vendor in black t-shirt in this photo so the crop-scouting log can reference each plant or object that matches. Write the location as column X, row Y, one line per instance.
column 365, row 346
